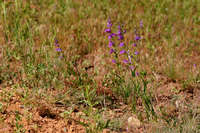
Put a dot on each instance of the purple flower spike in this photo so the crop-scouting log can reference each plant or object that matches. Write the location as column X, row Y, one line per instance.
column 110, row 44
column 112, row 51
column 134, row 44
column 136, row 52
column 107, row 30
column 58, row 49
column 125, row 61
column 121, row 44
column 122, row 52
column 137, row 38
column 114, row 61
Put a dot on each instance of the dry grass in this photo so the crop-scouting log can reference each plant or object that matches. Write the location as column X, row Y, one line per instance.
column 84, row 91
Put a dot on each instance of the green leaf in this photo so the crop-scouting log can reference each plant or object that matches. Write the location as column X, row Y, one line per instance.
column 133, row 72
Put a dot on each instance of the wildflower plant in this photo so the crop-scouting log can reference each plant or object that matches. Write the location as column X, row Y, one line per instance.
column 58, row 48
column 126, row 57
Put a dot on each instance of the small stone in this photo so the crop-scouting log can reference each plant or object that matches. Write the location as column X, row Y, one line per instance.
column 133, row 122
column 22, row 106
column 106, row 131
column 65, row 129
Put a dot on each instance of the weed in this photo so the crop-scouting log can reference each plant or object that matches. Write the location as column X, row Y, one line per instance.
column 137, row 86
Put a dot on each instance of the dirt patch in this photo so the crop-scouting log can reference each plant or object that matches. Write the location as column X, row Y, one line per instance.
column 41, row 119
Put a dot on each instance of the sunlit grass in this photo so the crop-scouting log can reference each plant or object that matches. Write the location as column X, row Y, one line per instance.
column 77, row 69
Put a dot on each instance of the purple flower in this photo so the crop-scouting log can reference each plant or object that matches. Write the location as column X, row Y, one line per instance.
column 61, row 57
column 137, row 73
column 109, row 24
column 121, row 44
column 136, row 52
column 56, row 43
column 134, row 44
column 113, row 34
column 129, row 58
column 107, row 30
column 58, row 49
column 110, row 44
column 122, row 52
column 114, row 61
column 137, row 38
column 112, row 51
column 110, row 37
column 119, row 27
column 120, row 37
column 125, row 61
column 141, row 23
column 119, row 32
column 132, row 67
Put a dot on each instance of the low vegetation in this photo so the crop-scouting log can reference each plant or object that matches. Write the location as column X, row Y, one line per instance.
column 100, row 66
